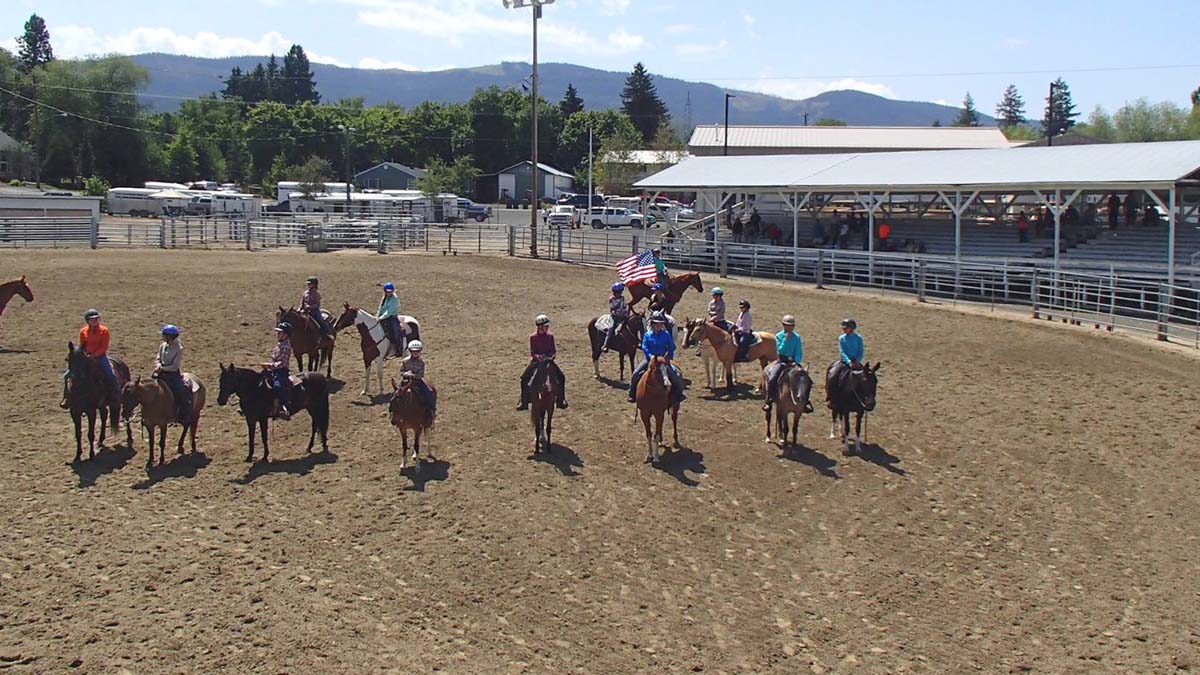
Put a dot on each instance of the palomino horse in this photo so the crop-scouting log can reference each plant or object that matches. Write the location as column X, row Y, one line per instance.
column 543, row 392
column 856, row 395
column 763, row 351
column 792, row 398
column 625, row 343
column 88, row 393
column 158, row 411
column 707, row 354
column 653, row 401
column 256, row 401
column 674, row 290
column 307, row 340
column 15, row 287
column 374, row 341
column 408, row 413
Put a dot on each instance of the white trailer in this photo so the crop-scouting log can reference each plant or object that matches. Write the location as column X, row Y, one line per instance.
column 126, row 201
column 285, row 188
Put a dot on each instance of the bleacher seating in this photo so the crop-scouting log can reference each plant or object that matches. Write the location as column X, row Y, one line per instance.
column 1139, row 244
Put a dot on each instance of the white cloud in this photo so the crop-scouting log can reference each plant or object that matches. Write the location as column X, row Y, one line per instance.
column 700, row 51
column 797, row 89
column 77, row 41
column 375, row 64
column 679, row 29
column 615, row 6
column 1015, row 42
column 748, row 19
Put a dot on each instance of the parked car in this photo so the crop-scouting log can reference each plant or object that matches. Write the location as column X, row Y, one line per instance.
column 580, row 201
column 562, row 215
column 608, row 216
column 470, row 209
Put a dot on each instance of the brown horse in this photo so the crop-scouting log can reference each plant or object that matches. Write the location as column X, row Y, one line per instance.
column 763, row 351
column 541, row 409
column 15, row 287
column 409, row 413
column 794, row 389
column 158, row 411
column 653, row 401
column 88, row 393
column 625, row 343
column 674, row 290
column 708, row 355
column 307, row 340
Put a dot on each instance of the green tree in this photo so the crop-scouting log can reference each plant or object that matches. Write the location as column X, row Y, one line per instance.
column 33, row 46
column 1021, row 132
column 495, row 115
column 1010, row 111
column 181, row 159
column 1142, row 121
column 572, row 148
column 1099, row 125
column 665, row 139
column 312, row 175
column 968, row 116
column 829, row 122
column 1060, row 112
column 95, row 186
column 640, row 101
column 279, row 170
column 298, row 85
column 614, row 171
column 439, row 177
column 571, row 103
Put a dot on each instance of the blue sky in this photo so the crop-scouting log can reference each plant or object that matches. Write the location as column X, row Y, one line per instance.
column 932, row 51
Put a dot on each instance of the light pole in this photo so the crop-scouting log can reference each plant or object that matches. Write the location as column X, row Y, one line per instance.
column 347, row 131
column 534, row 201
column 725, row 152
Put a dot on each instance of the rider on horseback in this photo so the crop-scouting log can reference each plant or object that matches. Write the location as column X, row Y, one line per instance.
column 658, row 298
column 618, row 311
column 278, row 367
column 716, row 310
column 657, row 342
column 310, row 304
column 93, row 340
column 791, row 353
column 414, row 365
column 852, row 350
column 389, row 317
column 168, row 366
column 660, row 268
column 542, row 350
column 743, row 331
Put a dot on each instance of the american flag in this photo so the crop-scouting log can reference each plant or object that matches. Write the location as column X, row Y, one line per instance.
column 636, row 268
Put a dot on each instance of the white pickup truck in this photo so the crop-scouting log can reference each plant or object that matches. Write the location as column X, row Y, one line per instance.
column 561, row 215
column 608, row 216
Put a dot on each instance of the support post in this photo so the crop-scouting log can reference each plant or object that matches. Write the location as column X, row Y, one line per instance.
column 247, row 225
column 1171, row 237
column 512, row 240
column 921, row 280
column 94, row 234
column 723, row 264
column 821, row 268
column 1033, row 293
column 380, row 243
column 558, row 256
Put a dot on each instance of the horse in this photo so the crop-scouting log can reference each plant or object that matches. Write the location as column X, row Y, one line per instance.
column 89, row 393
column 792, row 397
column 625, row 343
column 15, row 287
column 256, row 401
column 373, row 340
column 708, row 355
column 158, row 411
column 307, row 340
column 408, row 413
column 725, row 348
column 857, row 395
column 674, row 290
column 543, row 392
column 653, row 400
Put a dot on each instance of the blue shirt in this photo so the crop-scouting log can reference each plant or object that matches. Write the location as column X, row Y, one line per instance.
column 658, row 344
column 852, row 347
column 789, row 346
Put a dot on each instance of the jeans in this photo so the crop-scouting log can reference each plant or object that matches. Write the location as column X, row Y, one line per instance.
column 391, row 328
column 672, row 375
column 723, row 325
column 774, row 372
column 744, row 340
column 179, row 389
column 428, row 396
column 279, row 385
column 315, row 315
column 107, row 369
column 617, row 323
column 529, row 385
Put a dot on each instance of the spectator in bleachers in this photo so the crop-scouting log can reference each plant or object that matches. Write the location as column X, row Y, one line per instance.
column 1071, row 216
column 1114, row 210
column 885, row 231
column 774, row 234
column 736, row 228
column 1131, row 209
column 1150, row 215
column 843, row 234
column 818, row 233
column 1022, row 228
column 1089, row 215
column 1043, row 222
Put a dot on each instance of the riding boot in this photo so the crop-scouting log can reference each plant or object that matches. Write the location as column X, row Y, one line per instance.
column 561, row 403
column 63, row 403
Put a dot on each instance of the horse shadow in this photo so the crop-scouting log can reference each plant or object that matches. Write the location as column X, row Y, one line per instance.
column 432, row 470
column 106, row 461
column 741, row 392
column 6, row 350
column 300, row 466
column 181, row 466
column 615, row 384
column 335, row 385
column 875, row 454
column 678, row 462
column 802, row 454
column 376, row 399
column 562, row 458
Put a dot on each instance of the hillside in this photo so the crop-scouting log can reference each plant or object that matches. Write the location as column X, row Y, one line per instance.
column 186, row 76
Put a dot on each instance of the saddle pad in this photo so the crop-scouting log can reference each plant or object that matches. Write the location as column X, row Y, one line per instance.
column 191, row 383
column 327, row 316
column 604, row 321
column 295, row 381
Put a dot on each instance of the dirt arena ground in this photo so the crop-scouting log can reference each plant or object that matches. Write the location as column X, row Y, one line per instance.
column 1030, row 503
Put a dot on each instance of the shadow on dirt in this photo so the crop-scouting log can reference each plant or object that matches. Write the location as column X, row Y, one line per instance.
column 877, row 455
column 560, row 457
column 679, row 462
column 432, row 470
column 182, row 466
column 300, row 466
column 802, row 454
column 106, row 461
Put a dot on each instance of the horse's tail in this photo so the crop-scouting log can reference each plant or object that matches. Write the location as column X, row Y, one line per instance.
column 121, row 370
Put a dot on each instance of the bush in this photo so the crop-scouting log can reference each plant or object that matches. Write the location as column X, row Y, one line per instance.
column 95, row 186
column 16, row 182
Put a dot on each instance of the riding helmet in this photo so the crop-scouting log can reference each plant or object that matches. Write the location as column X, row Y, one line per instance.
column 415, row 346
column 658, row 317
column 849, row 323
column 170, row 329
column 313, row 280
column 717, row 290
column 789, row 320
column 389, row 286
column 284, row 327
column 744, row 303
column 618, row 287
column 656, row 287
column 541, row 320
column 91, row 314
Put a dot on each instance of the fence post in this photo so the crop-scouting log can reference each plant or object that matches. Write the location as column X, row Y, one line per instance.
column 382, row 243
column 1033, row 293
column 723, row 262
column 1164, row 310
column 247, row 225
column 558, row 256
column 479, row 248
column 512, row 240
column 921, row 280
column 162, row 232
column 94, row 237
column 820, row 268
column 635, row 245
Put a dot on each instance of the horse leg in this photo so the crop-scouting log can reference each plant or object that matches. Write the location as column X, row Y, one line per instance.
column 650, row 449
column 596, row 367
column 658, row 425
column 549, row 428
column 675, row 424
column 263, row 432
column 379, row 372
column 858, row 423
column 103, row 412
column 796, row 427
column 728, row 378
column 403, row 448
column 833, row 419
column 149, row 431
column 75, row 417
column 846, row 435
column 91, row 415
column 416, row 456
column 762, row 381
column 250, row 435
column 162, row 443
column 192, row 429
column 327, row 357
column 767, row 415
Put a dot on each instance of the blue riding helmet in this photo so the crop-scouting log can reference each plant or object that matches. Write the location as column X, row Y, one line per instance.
column 389, row 286
column 717, row 290
column 656, row 287
column 618, row 287
column 170, row 329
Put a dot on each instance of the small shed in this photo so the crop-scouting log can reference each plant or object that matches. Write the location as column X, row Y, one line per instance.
column 12, row 158
column 388, row 176
column 511, row 185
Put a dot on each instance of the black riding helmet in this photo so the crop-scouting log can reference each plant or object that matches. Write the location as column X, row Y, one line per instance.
column 744, row 303
column 314, row 281
column 850, row 323
column 284, row 327
column 91, row 314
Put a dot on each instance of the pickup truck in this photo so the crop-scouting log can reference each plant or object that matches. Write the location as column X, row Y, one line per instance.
column 562, row 215
column 470, row 209
column 608, row 216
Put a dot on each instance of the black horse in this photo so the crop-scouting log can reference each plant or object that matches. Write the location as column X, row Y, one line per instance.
column 88, row 393
column 854, row 394
column 257, row 402
column 625, row 343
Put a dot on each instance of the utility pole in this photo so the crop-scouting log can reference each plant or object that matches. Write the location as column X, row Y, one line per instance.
column 347, row 131
column 805, row 119
column 588, row 210
column 1050, row 121
column 725, row 152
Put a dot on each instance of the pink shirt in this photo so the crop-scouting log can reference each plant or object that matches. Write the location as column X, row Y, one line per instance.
column 743, row 322
column 541, row 344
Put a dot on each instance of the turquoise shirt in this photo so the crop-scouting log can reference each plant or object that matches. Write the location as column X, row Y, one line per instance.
column 852, row 347
column 389, row 307
column 789, row 346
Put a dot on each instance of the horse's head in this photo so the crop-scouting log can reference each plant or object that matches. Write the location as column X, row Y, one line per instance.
column 694, row 282
column 131, row 397
column 77, row 361
column 864, row 383
column 346, row 318
column 23, row 289
column 636, row 324
column 693, row 333
column 228, row 385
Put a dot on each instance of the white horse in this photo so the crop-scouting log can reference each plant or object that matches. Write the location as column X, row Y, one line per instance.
column 410, row 327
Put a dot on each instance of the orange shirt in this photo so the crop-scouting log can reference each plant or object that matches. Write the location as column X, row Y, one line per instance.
column 884, row 231
column 94, row 342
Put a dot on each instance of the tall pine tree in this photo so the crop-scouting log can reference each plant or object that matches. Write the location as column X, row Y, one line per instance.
column 571, row 103
column 298, row 81
column 33, row 47
column 968, row 116
column 1010, row 111
column 640, row 101
column 1060, row 111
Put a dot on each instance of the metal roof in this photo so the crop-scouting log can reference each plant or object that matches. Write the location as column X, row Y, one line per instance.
column 544, row 168
column 649, row 157
column 416, row 173
column 1142, row 165
column 860, row 138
